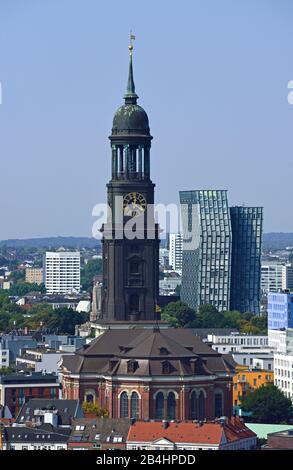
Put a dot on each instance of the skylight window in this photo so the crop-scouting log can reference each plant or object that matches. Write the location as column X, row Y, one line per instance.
column 80, row 427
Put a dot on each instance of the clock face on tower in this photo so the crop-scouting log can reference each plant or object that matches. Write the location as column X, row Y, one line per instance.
column 134, row 204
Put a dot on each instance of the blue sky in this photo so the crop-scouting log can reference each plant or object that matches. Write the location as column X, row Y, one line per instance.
column 211, row 74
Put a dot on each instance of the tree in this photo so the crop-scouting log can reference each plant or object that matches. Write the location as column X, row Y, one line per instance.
column 179, row 315
column 267, row 404
column 210, row 317
column 22, row 288
column 91, row 269
column 60, row 320
column 93, row 408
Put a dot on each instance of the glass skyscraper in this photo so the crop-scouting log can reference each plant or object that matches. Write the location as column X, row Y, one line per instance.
column 207, row 248
column 246, row 225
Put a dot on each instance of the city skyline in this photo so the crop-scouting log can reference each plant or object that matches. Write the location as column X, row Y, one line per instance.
column 59, row 93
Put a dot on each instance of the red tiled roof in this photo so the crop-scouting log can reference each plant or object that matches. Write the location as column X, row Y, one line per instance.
column 235, row 429
column 189, row 432
column 209, row 433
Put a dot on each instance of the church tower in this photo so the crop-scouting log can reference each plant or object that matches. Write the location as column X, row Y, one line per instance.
column 130, row 236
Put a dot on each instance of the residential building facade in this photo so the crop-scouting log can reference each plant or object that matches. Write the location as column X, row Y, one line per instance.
column 34, row 275
column 17, row 388
column 62, row 272
column 246, row 380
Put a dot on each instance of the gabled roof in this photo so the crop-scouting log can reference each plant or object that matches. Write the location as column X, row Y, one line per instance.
column 188, row 432
column 44, row 434
column 184, row 432
column 66, row 410
column 99, row 430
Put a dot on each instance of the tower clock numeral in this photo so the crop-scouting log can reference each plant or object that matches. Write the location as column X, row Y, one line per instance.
column 134, row 204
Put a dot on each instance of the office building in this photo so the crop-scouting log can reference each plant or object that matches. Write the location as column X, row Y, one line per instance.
column 246, row 223
column 62, row 272
column 207, row 248
column 280, row 310
column 175, row 251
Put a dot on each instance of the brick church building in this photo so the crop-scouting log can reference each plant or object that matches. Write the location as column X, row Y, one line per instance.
column 151, row 374
column 137, row 372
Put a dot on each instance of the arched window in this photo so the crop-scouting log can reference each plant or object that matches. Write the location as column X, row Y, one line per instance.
column 124, row 405
column 201, row 406
column 90, row 398
column 218, row 404
column 159, row 412
column 171, row 406
column 134, row 405
column 193, row 405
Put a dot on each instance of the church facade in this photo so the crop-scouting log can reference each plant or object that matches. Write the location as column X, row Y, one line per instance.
column 151, row 374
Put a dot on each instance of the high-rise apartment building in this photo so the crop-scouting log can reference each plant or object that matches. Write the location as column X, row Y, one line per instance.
column 207, row 248
column 175, row 251
column 246, row 223
column 62, row 272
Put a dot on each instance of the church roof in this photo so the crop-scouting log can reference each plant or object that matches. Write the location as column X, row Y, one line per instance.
column 182, row 352
column 130, row 118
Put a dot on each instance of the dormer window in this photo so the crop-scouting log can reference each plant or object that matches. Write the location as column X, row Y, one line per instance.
column 166, row 367
column 164, row 351
column 132, row 366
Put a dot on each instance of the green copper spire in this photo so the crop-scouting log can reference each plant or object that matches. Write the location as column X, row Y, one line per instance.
column 130, row 95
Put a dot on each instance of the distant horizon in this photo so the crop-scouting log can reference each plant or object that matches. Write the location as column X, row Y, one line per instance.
column 99, row 239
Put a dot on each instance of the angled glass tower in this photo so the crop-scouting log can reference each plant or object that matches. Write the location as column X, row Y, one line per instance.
column 246, row 225
column 207, row 248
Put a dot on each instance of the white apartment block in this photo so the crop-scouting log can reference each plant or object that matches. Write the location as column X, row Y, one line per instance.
column 175, row 251
column 275, row 277
column 280, row 339
column 62, row 272
column 283, row 373
column 39, row 360
column 235, row 342
column 247, row 350
column 282, row 342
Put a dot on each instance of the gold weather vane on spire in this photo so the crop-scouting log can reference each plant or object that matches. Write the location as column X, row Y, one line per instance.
column 132, row 38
